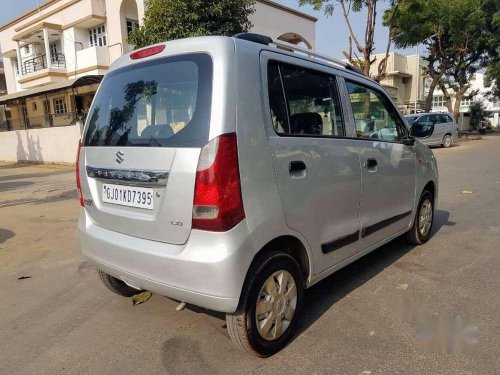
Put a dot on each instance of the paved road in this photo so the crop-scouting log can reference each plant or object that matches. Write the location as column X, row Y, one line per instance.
column 363, row 319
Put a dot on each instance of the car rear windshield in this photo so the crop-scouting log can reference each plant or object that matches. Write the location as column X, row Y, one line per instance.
column 159, row 103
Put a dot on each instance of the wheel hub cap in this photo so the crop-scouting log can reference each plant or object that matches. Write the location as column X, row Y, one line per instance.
column 425, row 217
column 276, row 305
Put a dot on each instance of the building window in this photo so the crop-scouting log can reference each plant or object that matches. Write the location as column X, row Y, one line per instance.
column 34, row 107
column 131, row 26
column 60, row 106
column 53, row 50
column 466, row 102
column 438, row 101
column 27, row 50
column 98, row 36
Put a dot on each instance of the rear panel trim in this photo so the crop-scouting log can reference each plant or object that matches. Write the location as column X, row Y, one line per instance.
column 129, row 177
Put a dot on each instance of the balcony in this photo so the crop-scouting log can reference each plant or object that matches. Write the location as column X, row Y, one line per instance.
column 57, row 61
column 36, row 71
column 93, row 59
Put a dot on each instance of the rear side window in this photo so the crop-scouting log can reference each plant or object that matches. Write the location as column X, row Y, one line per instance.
column 304, row 102
column 374, row 114
column 445, row 118
column 159, row 103
column 411, row 119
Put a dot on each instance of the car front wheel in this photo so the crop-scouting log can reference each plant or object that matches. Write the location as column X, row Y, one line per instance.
column 420, row 231
column 270, row 306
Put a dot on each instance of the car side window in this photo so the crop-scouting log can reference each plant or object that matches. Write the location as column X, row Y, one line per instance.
column 426, row 118
column 438, row 119
column 448, row 118
column 374, row 115
column 308, row 103
column 277, row 103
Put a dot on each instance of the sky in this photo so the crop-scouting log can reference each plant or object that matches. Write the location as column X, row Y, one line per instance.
column 331, row 32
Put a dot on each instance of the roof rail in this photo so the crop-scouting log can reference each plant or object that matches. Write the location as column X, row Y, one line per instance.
column 263, row 39
column 314, row 55
column 256, row 38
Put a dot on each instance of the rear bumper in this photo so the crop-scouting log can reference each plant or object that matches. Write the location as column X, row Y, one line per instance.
column 207, row 271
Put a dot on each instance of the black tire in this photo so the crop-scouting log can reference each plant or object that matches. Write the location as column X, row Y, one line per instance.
column 414, row 235
column 447, row 141
column 242, row 325
column 117, row 286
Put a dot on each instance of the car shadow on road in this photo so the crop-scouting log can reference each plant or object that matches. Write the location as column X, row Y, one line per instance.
column 321, row 297
column 5, row 234
column 441, row 219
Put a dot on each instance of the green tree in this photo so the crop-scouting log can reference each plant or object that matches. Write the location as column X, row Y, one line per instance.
column 362, row 53
column 174, row 19
column 459, row 36
column 492, row 78
column 477, row 114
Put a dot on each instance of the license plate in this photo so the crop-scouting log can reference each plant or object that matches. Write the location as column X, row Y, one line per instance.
column 130, row 196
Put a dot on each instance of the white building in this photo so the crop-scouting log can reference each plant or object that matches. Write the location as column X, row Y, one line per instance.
column 55, row 56
column 476, row 92
column 400, row 81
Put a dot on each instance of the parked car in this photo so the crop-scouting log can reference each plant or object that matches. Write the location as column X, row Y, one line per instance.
column 231, row 174
column 434, row 129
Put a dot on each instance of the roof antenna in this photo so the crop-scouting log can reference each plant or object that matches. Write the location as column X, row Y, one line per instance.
column 38, row 7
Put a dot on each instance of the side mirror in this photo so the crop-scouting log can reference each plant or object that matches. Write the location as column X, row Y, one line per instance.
column 410, row 141
column 422, row 129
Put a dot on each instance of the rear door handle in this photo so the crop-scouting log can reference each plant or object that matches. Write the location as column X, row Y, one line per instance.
column 296, row 166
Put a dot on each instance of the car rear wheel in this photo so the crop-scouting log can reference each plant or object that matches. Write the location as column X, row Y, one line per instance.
column 447, row 141
column 117, row 286
column 270, row 306
column 420, row 231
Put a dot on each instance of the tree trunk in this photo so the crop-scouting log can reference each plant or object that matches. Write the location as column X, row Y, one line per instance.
column 458, row 100
column 430, row 94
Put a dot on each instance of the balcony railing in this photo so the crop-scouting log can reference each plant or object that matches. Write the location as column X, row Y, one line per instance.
column 37, row 63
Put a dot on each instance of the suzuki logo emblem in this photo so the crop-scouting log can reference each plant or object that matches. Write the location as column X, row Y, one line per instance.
column 120, row 157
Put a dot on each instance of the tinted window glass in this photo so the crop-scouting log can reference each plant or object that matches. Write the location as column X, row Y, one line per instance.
column 436, row 119
column 309, row 104
column 277, row 102
column 448, row 118
column 411, row 119
column 375, row 116
column 160, row 103
column 313, row 104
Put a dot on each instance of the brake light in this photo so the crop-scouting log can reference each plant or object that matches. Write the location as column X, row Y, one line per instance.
column 146, row 52
column 217, row 204
column 78, row 183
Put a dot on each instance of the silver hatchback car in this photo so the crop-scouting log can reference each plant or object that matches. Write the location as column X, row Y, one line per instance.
column 234, row 173
column 434, row 129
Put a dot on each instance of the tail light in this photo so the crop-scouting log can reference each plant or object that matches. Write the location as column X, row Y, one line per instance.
column 78, row 183
column 218, row 205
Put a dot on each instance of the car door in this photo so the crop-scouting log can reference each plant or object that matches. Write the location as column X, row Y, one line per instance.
column 440, row 128
column 317, row 167
column 426, row 140
column 387, row 165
